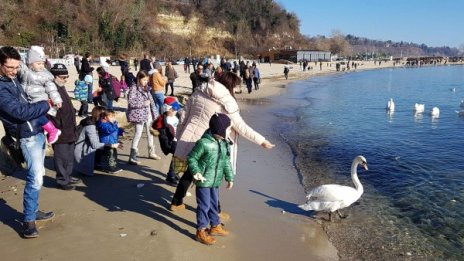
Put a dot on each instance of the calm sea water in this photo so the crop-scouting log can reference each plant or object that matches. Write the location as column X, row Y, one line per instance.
column 413, row 205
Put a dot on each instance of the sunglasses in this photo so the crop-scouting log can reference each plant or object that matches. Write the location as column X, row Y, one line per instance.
column 63, row 77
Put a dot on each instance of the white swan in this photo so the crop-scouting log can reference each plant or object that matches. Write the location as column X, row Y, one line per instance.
column 390, row 105
column 419, row 108
column 333, row 197
column 435, row 112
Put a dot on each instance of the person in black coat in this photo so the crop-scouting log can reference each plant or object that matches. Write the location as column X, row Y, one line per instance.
column 87, row 69
column 145, row 64
column 65, row 119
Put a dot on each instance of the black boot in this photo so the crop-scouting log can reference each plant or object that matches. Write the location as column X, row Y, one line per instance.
column 44, row 216
column 29, row 230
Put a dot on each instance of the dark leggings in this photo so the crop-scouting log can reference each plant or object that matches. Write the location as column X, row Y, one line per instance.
column 181, row 189
column 172, row 88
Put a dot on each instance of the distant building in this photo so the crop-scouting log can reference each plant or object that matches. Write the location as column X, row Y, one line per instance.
column 295, row 56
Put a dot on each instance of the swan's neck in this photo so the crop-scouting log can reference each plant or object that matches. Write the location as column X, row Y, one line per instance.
column 354, row 177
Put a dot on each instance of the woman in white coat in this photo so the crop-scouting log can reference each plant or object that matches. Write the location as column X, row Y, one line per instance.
column 212, row 97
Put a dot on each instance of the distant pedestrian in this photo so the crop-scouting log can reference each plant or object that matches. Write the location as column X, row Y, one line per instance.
column 286, row 71
column 123, row 63
column 171, row 74
column 256, row 77
column 196, row 77
column 77, row 64
column 106, row 95
column 80, row 94
column 85, row 70
column 145, row 64
column 247, row 77
column 136, row 64
column 157, row 84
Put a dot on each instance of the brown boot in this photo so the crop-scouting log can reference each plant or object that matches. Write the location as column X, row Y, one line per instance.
column 176, row 208
column 218, row 230
column 204, row 238
column 224, row 217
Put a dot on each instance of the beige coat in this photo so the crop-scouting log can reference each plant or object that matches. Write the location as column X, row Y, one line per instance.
column 210, row 98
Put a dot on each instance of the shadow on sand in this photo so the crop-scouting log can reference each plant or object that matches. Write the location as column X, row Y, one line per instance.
column 284, row 205
column 115, row 193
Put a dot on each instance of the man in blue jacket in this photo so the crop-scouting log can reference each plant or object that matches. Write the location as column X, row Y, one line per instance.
column 22, row 120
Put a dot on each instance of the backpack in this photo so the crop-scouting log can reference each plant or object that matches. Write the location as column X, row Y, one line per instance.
column 166, row 136
column 117, row 87
column 106, row 84
column 80, row 90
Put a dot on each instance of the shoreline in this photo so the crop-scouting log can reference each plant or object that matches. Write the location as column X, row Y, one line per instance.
column 111, row 218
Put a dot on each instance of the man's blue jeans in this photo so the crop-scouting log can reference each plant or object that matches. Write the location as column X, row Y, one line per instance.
column 34, row 153
column 158, row 97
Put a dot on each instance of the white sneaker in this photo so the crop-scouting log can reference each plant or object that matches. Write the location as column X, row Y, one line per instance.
column 154, row 156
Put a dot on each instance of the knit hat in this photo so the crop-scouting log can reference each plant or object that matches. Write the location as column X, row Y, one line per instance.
column 35, row 54
column 59, row 69
column 219, row 123
column 171, row 103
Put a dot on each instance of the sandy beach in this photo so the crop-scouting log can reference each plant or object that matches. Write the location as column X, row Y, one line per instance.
column 125, row 216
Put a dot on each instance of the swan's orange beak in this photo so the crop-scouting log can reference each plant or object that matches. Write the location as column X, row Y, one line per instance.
column 364, row 164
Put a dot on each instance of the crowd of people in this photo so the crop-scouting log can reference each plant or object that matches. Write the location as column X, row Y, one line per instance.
column 202, row 135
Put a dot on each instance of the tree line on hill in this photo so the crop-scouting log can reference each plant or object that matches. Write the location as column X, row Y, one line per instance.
column 133, row 27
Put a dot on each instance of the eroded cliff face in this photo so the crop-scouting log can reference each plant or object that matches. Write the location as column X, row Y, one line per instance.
column 192, row 30
column 187, row 27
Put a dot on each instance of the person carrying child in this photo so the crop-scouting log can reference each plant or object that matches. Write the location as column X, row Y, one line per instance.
column 38, row 86
column 209, row 160
column 109, row 133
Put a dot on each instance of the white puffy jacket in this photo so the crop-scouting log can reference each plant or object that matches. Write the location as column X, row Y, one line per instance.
column 210, row 98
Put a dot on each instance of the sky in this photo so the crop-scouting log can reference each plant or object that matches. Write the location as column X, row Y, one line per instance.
column 435, row 23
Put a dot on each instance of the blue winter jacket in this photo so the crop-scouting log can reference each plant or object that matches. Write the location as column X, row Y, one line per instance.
column 108, row 132
column 16, row 111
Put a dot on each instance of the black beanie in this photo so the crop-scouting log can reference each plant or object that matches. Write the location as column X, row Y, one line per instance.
column 59, row 69
column 219, row 123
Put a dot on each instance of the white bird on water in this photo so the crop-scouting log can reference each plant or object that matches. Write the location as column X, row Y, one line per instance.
column 462, row 104
column 435, row 112
column 333, row 197
column 419, row 108
column 390, row 105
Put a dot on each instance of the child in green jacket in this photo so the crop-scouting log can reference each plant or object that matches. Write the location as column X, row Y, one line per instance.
column 209, row 160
